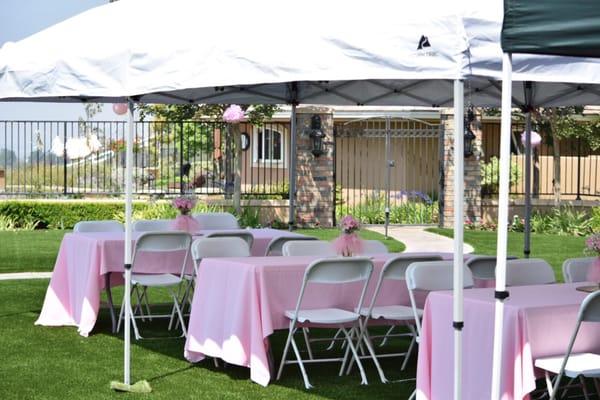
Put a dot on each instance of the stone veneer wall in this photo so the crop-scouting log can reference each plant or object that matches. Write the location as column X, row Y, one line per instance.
column 315, row 179
column 472, row 171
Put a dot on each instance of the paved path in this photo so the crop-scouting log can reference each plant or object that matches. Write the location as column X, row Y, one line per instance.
column 416, row 238
column 25, row 275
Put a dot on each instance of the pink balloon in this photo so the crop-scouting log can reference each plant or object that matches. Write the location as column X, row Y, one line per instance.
column 120, row 108
column 536, row 139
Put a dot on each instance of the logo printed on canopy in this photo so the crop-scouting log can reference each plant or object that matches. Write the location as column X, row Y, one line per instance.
column 423, row 42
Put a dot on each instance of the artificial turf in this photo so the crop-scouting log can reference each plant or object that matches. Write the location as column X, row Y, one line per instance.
column 56, row 363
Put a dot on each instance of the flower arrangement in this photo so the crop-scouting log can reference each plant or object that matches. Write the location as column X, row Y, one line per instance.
column 184, row 204
column 348, row 243
column 592, row 245
column 233, row 114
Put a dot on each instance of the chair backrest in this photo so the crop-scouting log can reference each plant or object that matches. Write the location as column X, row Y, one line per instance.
column 308, row 248
column 163, row 242
column 153, row 225
column 244, row 235
column 275, row 246
column 370, row 247
column 217, row 220
column 98, row 226
column 484, row 267
column 528, row 271
column 576, row 269
column 435, row 275
column 219, row 247
column 432, row 276
column 395, row 268
column 339, row 270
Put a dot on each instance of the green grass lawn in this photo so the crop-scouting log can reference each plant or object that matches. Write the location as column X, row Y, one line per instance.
column 35, row 251
column 29, row 251
column 552, row 248
column 56, row 363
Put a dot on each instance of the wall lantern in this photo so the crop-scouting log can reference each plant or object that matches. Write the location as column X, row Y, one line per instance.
column 469, row 137
column 316, row 136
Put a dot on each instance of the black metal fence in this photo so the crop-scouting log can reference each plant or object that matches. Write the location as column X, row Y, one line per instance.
column 579, row 166
column 50, row 158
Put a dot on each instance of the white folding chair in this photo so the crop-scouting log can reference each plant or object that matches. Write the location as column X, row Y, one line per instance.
column 217, row 220
column 580, row 365
column 529, row 271
column 153, row 225
column 242, row 234
column 103, row 226
column 576, row 269
column 370, row 247
column 484, row 267
column 160, row 243
column 319, row 248
column 394, row 270
column 431, row 276
column 275, row 246
column 98, row 226
column 331, row 271
column 208, row 247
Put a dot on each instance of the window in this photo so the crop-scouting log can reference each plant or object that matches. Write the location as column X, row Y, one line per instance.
column 268, row 145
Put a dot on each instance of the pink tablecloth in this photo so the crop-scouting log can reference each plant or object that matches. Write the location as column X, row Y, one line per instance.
column 239, row 302
column 538, row 322
column 73, row 297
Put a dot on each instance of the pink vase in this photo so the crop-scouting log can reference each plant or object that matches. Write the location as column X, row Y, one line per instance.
column 593, row 274
column 187, row 223
column 348, row 244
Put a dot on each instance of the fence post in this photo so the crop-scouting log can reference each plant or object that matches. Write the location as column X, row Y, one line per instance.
column 65, row 158
column 578, row 169
column 181, row 191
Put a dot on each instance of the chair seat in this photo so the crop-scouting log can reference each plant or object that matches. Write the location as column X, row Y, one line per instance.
column 393, row 312
column 586, row 364
column 155, row 279
column 324, row 316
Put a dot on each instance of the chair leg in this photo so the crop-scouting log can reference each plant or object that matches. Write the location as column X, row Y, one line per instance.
column 182, row 303
column 410, row 348
column 597, row 387
column 369, row 345
column 333, row 340
column 413, row 395
column 181, row 321
column 584, row 388
column 356, row 358
column 308, row 348
column 386, row 336
column 139, row 303
column 111, row 306
column 307, row 384
column 146, row 302
column 285, row 351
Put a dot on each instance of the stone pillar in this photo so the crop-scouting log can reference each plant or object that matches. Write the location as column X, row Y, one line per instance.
column 315, row 179
column 472, row 174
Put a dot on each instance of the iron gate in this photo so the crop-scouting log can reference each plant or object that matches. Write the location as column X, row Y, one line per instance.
column 387, row 170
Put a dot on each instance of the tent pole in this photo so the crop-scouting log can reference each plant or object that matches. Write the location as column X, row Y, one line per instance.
column 292, row 171
column 128, row 238
column 388, row 173
column 459, row 160
column 501, row 294
column 529, row 105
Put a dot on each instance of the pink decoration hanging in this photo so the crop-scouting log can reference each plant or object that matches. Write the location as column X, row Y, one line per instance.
column 536, row 139
column 233, row 114
column 120, row 108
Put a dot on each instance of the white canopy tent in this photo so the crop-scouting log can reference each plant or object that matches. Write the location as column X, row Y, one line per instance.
column 375, row 53
column 180, row 51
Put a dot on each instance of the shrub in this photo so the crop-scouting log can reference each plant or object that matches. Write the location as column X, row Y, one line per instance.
column 490, row 174
column 562, row 221
column 595, row 219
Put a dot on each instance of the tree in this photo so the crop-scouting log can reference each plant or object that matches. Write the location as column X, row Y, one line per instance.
column 8, row 157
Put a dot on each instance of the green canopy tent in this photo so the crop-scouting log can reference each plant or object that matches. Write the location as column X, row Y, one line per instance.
column 570, row 30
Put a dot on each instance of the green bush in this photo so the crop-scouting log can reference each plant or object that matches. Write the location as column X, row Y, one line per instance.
column 595, row 218
column 16, row 214
column 372, row 211
column 490, row 175
column 563, row 221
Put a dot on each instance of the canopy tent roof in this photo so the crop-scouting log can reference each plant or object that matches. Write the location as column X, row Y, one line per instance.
column 182, row 51
column 567, row 28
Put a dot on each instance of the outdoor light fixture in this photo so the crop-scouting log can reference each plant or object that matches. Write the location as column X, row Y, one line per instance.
column 316, row 136
column 469, row 138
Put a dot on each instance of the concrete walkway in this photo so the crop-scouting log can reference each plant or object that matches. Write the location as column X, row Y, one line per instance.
column 416, row 238
column 25, row 275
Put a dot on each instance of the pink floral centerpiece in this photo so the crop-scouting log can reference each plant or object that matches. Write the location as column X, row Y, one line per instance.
column 233, row 114
column 348, row 243
column 592, row 247
column 184, row 221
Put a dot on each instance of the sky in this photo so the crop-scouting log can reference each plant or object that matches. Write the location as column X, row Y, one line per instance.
column 22, row 18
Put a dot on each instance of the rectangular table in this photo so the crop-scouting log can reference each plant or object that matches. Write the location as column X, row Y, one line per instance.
column 239, row 302
column 88, row 262
column 538, row 322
